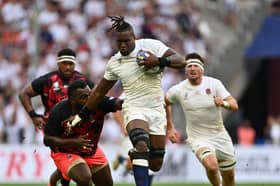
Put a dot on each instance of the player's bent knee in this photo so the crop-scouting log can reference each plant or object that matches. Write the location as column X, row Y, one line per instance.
column 140, row 139
column 84, row 179
column 141, row 142
column 212, row 167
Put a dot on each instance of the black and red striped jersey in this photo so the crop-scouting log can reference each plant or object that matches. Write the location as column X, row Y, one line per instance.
column 52, row 87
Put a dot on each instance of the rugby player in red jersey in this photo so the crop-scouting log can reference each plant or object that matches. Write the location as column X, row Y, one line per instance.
column 75, row 149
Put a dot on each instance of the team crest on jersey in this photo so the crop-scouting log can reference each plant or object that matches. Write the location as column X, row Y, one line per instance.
column 208, row 91
column 56, row 86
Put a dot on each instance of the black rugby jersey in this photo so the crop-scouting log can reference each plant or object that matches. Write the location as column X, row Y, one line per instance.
column 57, row 125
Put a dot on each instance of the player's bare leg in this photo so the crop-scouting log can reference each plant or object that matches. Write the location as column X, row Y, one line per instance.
column 81, row 174
column 55, row 177
column 101, row 175
column 157, row 151
column 228, row 177
column 139, row 136
column 210, row 163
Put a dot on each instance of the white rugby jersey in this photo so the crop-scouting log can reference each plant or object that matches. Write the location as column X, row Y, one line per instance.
column 203, row 117
column 141, row 90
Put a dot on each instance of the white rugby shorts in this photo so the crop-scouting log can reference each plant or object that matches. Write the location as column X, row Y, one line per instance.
column 221, row 145
column 155, row 117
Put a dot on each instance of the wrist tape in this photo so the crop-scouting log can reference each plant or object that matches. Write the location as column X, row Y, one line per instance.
column 164, row 62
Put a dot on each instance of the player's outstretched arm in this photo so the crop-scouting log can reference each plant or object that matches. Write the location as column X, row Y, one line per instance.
column 94, row 99
column 172, row 133
column 98, row 93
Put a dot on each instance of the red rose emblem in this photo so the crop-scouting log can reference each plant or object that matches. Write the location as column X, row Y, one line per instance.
column 208, row 91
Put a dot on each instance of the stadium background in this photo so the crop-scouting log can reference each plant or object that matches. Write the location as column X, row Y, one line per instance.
column 238, row 38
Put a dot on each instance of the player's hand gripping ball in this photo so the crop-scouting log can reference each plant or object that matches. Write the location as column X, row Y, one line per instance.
column 141, row 56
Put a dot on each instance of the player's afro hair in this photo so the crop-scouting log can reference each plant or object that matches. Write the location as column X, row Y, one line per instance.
column 76, row 84
column 66, row 52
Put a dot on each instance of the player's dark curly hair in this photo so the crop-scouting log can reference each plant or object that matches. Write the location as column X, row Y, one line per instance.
column 194, row 56
column 76, row 84
column 119, row 24
column 66, row 52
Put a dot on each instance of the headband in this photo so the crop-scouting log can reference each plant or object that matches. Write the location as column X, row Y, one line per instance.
column 66, row 58
column 195, row 62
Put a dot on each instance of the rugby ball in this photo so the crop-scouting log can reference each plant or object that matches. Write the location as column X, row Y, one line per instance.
column 140, row 57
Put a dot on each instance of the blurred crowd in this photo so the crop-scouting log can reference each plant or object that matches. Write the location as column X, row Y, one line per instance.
column 32, row 32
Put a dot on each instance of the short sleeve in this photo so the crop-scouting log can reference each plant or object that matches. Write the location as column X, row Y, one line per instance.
column 158, row 47
column 221, row 90
column 109, row 72
column 39, row 83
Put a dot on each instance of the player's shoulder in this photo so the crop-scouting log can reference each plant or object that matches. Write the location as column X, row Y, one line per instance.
column 78, row 73
column 181, row 83
column 43, row 79
column 62, row 105
column 210, row 79
column 47, row 75
column 62, row 110
column 115, row 57
column 147, row 41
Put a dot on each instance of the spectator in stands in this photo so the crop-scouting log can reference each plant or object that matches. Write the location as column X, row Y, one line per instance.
column 231, row 13
column 246, row 133
column 2, row 124
column 275, row 7
column 273, row 129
